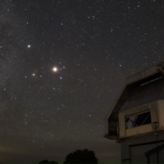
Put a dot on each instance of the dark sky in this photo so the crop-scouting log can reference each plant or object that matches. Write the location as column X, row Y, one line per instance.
column 94, row 45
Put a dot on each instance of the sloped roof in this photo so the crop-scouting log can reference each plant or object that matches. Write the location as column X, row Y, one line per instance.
column 140, row 88
column 143, row 94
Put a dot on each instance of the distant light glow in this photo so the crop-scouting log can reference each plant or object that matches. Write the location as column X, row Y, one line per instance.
column 29, row 46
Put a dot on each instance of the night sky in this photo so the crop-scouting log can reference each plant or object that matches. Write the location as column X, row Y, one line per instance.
column 62, row 64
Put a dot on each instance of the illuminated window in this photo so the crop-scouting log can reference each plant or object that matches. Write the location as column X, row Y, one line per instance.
column 137, row 120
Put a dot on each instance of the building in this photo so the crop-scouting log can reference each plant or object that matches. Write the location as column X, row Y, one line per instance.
column 155, row 155
column 136, row 118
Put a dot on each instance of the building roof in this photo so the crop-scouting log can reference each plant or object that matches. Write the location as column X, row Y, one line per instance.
column 145, row 93
column 140, row 88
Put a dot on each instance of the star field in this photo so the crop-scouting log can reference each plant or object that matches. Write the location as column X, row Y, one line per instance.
column 62, row 64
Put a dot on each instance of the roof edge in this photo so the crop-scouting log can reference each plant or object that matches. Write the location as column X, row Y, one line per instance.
column 145, row 73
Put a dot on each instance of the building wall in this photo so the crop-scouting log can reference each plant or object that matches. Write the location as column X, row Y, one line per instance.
column 161, row 156
column 138, row 152
column 153, row 158
column 161, row 114
column 133, row 149
column 157, row 157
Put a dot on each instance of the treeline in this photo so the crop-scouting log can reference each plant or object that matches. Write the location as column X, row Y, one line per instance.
column 78, row 156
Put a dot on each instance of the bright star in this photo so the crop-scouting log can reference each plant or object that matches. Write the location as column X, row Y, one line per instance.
column 29, row 46
column 33, row 74
column 55, row 69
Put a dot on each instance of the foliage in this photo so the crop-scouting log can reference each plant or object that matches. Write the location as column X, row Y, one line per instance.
column 46, row 161
column 81, row 156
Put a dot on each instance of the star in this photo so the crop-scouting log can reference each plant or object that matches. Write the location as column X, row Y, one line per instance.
column 62, row 63
column 55, row 69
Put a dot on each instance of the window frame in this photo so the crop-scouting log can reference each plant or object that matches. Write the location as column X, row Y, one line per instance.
column 136, row 115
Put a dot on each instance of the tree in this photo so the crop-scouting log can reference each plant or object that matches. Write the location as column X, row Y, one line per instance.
column 46, row 161
column 81, row 156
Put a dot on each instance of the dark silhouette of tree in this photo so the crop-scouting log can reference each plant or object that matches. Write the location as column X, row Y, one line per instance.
column 81, row 156
column 46, row 161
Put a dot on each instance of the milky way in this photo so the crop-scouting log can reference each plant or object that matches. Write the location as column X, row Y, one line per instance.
column 63, row 62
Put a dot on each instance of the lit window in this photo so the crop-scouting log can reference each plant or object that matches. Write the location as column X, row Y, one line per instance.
column 137, row 120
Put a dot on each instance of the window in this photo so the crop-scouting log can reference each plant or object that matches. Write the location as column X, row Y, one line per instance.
column 137, row 120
